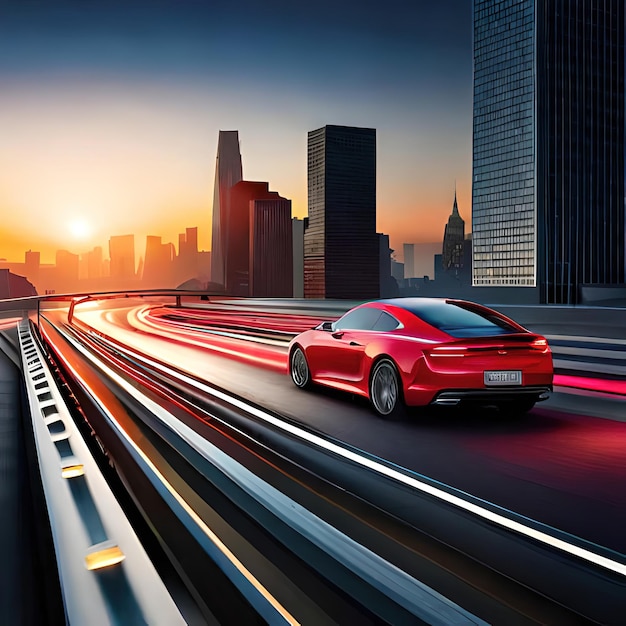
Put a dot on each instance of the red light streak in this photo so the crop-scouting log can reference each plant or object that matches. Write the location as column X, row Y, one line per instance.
column 591, row 384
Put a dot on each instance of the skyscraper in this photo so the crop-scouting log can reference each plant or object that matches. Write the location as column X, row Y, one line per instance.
column 122, row 255
column 237, row 256
column 298, row 257
column 186, row 263
column 228, row 172
column 548, row 152
column 409, row 260
column 271, row 248
column 94, row 263
column 453, row 238
column 32, row 263
column 157, row 269
column 341, row 249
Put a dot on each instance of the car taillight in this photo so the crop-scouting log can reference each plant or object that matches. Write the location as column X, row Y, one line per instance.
column 448, row 351
column 540, row 344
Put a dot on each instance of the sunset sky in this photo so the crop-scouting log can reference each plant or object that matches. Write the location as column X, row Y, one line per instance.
column 110, row 111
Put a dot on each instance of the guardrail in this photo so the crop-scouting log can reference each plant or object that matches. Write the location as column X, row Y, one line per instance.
column 483, row 524
column 581, row 320
column 93, row 540
column 385, row 578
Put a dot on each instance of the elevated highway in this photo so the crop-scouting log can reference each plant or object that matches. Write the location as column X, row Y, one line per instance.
column 481, row 521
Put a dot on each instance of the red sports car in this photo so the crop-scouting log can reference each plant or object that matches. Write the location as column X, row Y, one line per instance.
column 425, row 351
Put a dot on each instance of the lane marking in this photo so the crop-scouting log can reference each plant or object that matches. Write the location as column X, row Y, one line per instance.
column 407, row 591
column 501, row 520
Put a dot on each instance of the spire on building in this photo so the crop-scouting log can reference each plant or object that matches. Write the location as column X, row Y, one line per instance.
column 453, row 237
column 455, row 206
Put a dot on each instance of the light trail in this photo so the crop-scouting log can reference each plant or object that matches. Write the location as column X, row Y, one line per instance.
column 390, row 472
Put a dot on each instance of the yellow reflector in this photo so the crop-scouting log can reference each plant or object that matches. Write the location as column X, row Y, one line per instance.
column 72, row 471
column 103, row 555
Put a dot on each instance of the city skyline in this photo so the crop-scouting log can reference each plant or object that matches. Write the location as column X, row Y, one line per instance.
column 111, row 115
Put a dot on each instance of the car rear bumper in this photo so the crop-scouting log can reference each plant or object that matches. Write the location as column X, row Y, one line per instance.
column 452, row 397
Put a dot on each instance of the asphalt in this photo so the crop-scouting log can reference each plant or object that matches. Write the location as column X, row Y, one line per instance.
column 29, row 588
column 29, row 592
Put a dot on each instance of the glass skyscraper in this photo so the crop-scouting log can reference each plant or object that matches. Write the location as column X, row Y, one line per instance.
column 548, row 145
column 341, row 247
column 228, row 172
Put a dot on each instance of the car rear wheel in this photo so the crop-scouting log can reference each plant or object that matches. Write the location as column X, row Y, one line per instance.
column 385, row 391
column 299, row 368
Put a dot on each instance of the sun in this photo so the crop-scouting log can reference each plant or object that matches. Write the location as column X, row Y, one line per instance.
column 79, row 228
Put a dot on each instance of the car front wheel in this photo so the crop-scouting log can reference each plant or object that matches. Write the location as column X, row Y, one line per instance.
column 385, row 391
column 299, row 368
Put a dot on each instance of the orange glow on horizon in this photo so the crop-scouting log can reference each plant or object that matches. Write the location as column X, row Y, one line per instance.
column 406, row 223
column 122, row 160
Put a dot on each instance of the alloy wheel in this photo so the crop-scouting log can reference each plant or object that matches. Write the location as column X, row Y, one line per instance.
column 299, row 369
column 384, row 389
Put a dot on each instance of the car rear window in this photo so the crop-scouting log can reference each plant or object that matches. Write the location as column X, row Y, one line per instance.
column 459, row 321
column 362, row 318
column 386, row 322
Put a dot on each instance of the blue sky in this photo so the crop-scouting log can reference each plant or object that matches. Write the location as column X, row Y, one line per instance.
column 137, row 91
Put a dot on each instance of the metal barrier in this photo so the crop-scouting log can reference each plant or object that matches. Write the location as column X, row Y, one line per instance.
column 106, row 576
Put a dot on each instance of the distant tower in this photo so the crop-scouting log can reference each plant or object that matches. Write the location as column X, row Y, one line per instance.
column 157, row 267
column 242, row 196
column 341, row 250
column 388, row 285
column 122, row 255
column 32, row 262
column 186, row 263
column 453, row 237
column 298, row 257
column 66, row 270
column 228, row 172
column 94, row 263
column 409, row 259
column 271, row 248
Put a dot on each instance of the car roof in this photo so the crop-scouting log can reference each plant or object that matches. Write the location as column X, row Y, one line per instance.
column 414, row 304
column 439, row 313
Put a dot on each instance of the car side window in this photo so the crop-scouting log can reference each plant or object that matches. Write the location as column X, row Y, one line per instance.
column 386, row 322
column 359, row 319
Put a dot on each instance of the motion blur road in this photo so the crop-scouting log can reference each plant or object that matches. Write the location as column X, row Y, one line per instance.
column 564, row 464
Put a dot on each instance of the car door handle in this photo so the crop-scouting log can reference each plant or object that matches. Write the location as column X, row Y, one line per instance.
column 338, row 334
column 354, row 343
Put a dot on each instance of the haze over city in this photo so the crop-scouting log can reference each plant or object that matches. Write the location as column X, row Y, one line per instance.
column 111, row 113
column 223, row 399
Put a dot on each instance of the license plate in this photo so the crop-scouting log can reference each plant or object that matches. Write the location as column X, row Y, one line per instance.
column 503, row 377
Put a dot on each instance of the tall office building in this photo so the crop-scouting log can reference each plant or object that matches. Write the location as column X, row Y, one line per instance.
column 298, row 257
column 32, row 263
column 228, row 172
column 271, row 248
column 94, row 263
column 340, row 242
column 185, row 265
column 387, row 283
column 409, row 259
column 237, row 257
column 548, row 148
column 122, row 255
column 157, row 267
column 67, row 265
column 453, row 240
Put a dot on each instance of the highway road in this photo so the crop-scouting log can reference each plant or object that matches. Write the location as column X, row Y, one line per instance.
column 564, row 464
